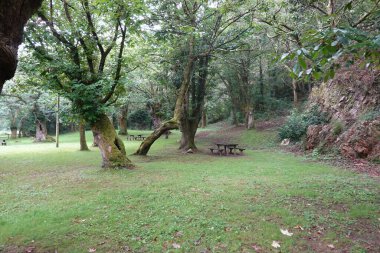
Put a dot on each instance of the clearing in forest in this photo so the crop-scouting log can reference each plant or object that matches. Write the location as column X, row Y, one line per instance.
column 265, row 201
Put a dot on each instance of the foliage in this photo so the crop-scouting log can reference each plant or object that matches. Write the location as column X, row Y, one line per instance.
column 297, row 123
column 371, row 115
column 139, row 119
column 337, row 128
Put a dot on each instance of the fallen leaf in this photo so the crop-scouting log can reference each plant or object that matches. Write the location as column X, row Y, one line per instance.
column 178, row 234
column 91, row 250
column 30, row 249
column 176, row 246
column 299, row 227
column 331, row 246
column 198, row 242
column 286, row 232
column 256, row 248
column 275, row 244
column 227, row 229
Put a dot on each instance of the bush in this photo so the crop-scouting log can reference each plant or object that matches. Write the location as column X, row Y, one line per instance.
column 337, row 128
column 297, row 123
column 139, row 119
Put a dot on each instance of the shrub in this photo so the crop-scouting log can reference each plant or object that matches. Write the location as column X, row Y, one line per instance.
column 139, row 119
column 337, row 128
column 297, row 123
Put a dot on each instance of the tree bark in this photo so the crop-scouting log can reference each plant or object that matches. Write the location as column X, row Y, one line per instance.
column 123, row 120
column 148, row 142
column 250, row 121
column 13, row 16
column 204, row 119
column 193, row 109
column 189, row 129
column 295, row 94
column 111, row 146
column 82, row 136
column 13, row 132
column 41, row 131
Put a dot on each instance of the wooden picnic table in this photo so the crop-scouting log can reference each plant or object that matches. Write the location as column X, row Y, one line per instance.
column 230, row 146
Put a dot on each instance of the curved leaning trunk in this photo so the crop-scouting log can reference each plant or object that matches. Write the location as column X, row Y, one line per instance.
column 111, row 146
column 148, row 142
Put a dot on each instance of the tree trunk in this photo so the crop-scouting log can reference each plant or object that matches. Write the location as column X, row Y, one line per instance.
column 189, row 130
column 295, row 94
column 13, row 16
column 41, row 131
column 204, row 119
column 190, row 119
column 13, row 132
column 123, row 121
column 250, row 121
column 82, row 136
column 111, row 146
column 179, row 106
column 148, row 142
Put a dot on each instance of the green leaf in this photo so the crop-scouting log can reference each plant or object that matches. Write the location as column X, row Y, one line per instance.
column 283, row 56
column 302, row 62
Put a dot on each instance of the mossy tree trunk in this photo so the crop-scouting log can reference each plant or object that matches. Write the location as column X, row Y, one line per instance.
column 122, row 120
column 82, row 136
column 194, row 105
column 148, row 142
column 111, row 146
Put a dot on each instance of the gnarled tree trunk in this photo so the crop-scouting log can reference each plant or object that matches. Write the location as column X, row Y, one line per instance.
column 189, row 129
column 193, row 109
column 179, row 106
column 148, row 142
column 13, row 16
column 82, row 136
column 111, row 146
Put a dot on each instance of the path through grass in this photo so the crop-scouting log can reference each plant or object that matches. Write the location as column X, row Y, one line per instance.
column 59, row 199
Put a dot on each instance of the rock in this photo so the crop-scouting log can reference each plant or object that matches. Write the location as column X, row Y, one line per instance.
column 312, row 136
column 285, row 142
column 189, row 151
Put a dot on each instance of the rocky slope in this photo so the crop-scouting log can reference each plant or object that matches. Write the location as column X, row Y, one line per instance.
column 352, row 102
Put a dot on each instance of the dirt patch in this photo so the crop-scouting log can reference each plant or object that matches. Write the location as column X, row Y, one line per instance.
column 273, row 124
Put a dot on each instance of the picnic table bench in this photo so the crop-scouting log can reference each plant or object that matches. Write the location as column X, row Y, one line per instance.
column 3, row 143
column 137, row 137
column 227, row 148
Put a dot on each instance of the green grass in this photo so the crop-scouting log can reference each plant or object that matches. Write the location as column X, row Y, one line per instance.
column 61, row 199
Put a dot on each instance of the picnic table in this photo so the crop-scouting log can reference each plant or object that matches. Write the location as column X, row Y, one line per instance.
column 137, row 137
column 227, row 148
column 230, row 146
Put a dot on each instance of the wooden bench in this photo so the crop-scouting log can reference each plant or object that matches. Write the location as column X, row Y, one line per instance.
column 220, row 151
column 241, row 150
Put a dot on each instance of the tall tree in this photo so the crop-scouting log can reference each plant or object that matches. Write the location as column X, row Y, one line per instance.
column 79, row 48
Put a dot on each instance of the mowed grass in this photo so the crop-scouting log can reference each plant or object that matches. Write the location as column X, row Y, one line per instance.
column 61, row 200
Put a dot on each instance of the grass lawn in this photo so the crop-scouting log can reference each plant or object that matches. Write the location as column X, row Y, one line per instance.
column 60, row 199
